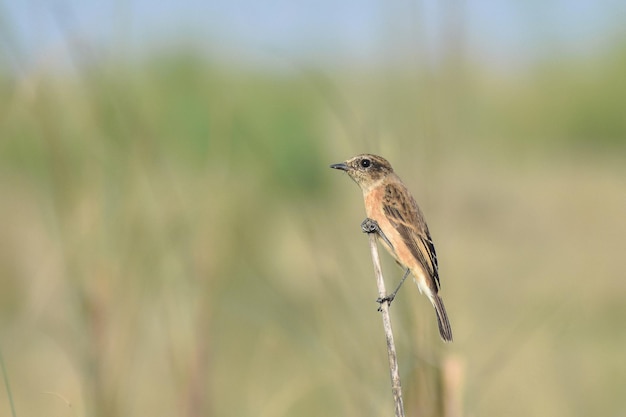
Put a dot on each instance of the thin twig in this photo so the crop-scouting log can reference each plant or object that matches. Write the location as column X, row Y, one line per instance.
column 5, row 376
column 370, row 227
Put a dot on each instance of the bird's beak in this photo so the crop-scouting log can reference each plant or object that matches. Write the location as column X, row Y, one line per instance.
column 342, row 166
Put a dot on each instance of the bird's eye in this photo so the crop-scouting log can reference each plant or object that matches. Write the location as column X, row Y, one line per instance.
column 365, row 163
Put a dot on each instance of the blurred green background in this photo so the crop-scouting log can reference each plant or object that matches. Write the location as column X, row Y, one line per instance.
column 173, row 242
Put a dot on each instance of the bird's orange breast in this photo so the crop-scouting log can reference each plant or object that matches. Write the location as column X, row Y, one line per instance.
column 374, row 210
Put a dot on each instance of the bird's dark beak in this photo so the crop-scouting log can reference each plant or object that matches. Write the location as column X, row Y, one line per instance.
column 342, row 166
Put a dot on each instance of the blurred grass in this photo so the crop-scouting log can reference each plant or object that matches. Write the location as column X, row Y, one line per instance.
column 174, row 243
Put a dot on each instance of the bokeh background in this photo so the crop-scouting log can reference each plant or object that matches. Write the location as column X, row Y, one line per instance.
column 172, row 241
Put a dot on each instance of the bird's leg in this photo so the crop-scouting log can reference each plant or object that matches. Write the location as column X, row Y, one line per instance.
column 391, row 296
column 371, row 226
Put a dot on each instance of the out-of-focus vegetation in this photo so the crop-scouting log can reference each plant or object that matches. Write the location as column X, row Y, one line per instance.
column 173, row 242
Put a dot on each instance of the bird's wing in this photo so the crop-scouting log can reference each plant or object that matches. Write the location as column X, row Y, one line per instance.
column 405, row 216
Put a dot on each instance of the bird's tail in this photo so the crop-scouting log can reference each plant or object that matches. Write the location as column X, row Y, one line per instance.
column 442, row 318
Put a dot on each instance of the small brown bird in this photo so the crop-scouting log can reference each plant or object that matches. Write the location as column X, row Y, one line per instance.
column 406, row 235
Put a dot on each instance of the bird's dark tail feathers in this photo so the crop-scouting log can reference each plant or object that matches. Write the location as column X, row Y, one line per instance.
column 442, row 319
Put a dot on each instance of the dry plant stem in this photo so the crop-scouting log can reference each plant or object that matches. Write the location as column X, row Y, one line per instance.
column 371, row 228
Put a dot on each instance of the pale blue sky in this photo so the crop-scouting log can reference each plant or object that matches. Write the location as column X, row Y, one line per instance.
column 357, row 31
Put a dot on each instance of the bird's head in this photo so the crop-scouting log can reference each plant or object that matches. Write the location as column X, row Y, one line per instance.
column 366, row 170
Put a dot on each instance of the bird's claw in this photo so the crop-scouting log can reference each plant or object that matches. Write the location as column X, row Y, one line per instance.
column 371, row 226
column 387, row 299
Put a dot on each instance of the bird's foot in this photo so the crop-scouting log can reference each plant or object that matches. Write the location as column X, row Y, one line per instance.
column 387, row 299
column 371, row 226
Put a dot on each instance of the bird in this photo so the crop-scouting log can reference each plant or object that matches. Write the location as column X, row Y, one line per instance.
column 405, row 233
